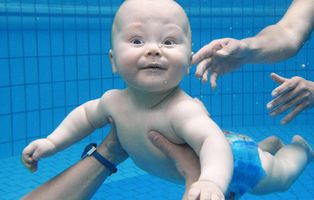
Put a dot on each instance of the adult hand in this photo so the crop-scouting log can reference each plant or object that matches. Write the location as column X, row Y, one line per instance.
column 185, row 159
column 295, row 93
column 111, row 148
column 219, row 57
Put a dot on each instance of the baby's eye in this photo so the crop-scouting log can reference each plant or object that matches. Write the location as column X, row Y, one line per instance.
column 169, row 42
column 137, row 41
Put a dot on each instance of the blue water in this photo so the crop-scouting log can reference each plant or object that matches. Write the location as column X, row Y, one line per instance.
column 54, row 56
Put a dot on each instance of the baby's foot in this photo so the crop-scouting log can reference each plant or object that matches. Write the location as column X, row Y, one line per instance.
column 297, row 139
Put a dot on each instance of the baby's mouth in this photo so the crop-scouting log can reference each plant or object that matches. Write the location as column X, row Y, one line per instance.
column 154, row 67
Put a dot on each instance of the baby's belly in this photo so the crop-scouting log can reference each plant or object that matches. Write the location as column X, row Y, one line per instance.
column 149, row 158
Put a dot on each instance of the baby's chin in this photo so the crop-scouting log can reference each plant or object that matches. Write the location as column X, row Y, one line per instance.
column 161, row 88
column 155, row 86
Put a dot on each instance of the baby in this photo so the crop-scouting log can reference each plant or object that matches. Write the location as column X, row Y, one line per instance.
column 151, row 50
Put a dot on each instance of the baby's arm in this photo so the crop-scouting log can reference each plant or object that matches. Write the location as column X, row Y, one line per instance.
column 81, row 122
column 193, row 125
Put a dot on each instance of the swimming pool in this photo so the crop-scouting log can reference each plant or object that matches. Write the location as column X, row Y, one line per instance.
column 54, row 56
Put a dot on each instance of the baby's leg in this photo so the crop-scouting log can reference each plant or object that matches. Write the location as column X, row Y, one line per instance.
column 271, row 144
column 283, row 168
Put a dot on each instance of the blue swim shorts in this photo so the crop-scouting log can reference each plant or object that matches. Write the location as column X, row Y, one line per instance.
column 248, row 169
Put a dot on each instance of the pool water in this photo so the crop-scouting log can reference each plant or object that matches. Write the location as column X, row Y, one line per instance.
column 54, row 57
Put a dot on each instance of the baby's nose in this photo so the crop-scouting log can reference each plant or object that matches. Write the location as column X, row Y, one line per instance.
column 153, row 51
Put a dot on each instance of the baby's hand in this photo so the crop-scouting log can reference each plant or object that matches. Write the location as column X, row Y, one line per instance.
column 205, row 190
column 35, row 150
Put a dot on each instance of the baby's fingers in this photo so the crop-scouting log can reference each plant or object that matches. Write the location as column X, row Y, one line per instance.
column 194, row 194
column 28, row 157
column 29, row 163
column 205, row 195
column 29, row 150
column 198, row 194
column 33, row 167
column 216, row 197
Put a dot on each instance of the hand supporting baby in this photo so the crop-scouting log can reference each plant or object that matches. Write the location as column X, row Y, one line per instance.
column 188, row 165
column 35, row 151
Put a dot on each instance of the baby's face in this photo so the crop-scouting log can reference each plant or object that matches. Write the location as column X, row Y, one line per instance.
column 151, row 44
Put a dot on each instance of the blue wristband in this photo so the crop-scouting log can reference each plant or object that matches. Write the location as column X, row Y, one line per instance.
column 90, row 150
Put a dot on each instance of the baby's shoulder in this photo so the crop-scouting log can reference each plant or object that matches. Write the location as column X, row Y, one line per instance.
column 112, row 96
column 188, row 107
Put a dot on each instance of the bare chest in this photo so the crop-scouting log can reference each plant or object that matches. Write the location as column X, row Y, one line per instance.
column 133, row 126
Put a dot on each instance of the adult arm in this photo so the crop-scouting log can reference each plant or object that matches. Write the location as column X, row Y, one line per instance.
column 283, row 39
column 82, row 180
column 274, row 43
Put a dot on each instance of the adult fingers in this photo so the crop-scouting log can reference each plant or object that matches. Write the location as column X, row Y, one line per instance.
column 213, row 79
column 293, row 113
column 283, row 98
column 284, row 88
column 289, row 104
column 222, row 52
column 206, row 51
column 205, row 76
column 229, row 47
column 277, row 78
column 202, row 67
column 163, row 144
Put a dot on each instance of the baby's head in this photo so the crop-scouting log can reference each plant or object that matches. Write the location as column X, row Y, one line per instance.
column 151, row 44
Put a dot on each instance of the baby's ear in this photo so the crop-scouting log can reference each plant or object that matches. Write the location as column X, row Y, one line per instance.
column 113, row 66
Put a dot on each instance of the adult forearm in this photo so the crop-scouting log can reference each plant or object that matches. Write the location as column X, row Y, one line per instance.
column 283, row 39
column 271, row 45
column 79, row 182
column 82, row 179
